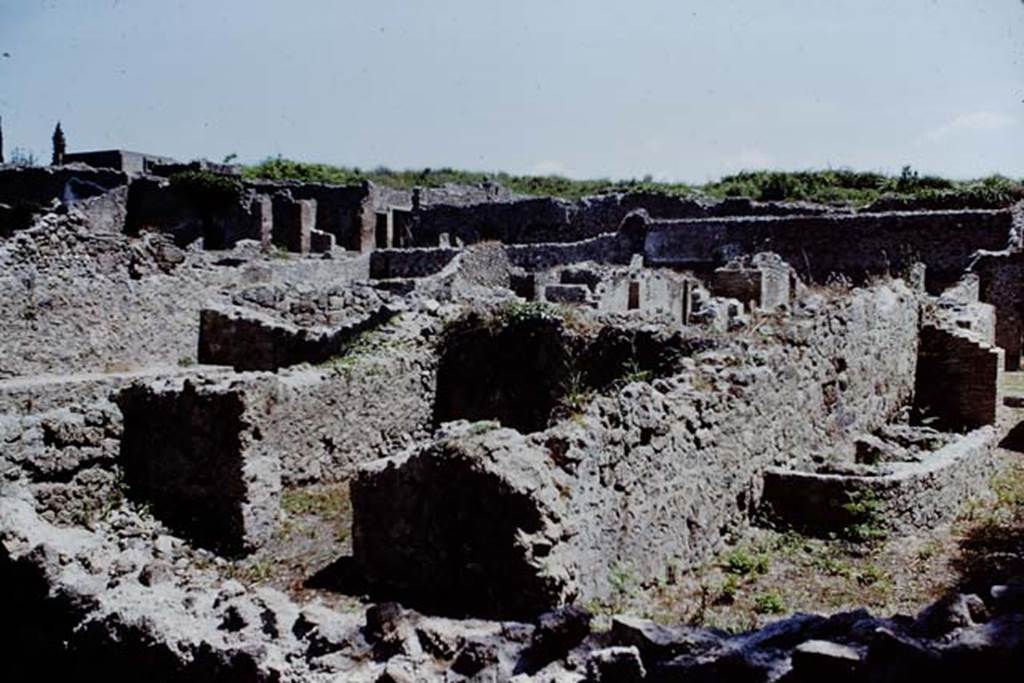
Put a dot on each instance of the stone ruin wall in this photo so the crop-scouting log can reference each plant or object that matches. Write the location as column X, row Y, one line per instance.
column 89, row 301
column 958, row 378
column 642, row 458
column 652, row 476
column 530, row 220
column 212, row 455
column 846, row 374
column 857, row 245
column 905, row 498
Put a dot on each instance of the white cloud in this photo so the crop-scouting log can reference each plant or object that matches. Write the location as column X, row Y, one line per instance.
column 971, row 122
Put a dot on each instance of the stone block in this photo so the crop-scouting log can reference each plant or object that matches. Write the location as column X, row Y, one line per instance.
column 320, row 242
column 263, row 219
column 193, row 451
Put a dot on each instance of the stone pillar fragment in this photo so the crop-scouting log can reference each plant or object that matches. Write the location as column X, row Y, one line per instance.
column 263, row 220
column 294, row 219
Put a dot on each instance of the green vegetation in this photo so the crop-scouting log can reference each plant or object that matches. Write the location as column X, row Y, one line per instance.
column 828, row 186
column 576, row 394
column 277, row 168
column 633, row 373
column 769, row 603
column 326, row 502
column 866, row 511
column 211, row 191
column 745, row 562
column 483, row 426
column 361, row 351
column 858, row 188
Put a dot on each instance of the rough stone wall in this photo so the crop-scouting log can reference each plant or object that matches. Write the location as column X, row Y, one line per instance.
column 294, row 220
column 1002, row 285
column 661, row 471
column 903, row 497
column 655, row 473
column 42, row 393
column 484, row 265
column 406, row 263
column 526, row 220
column 607, row 248
column 332, row 419
column 534, row 219
column 762, row 280
column 339, row 208
column 742, row 284
column 72, row 299
column 107, row 212
column 249, row 340
column 657, row 290
column 154, row 204
column 315, row 424
column 856, row 245
column 193, row 451
column 958, row 379
column 67, row 457
column 43, row 184
column 959, row 307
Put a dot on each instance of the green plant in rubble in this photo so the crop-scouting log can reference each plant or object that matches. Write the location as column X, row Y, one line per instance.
column 327, row 502
column 744, row 562
column 769, row 602
column 730, row 590
column 632, row 372
column 866, row 513
column 623, row 581
column 576, row 394
column 483, row 426
column 358, row 349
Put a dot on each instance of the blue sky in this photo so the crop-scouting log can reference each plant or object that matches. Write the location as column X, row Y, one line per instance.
column 679, row 89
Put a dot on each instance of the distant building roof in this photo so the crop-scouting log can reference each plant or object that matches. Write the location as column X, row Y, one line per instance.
column 120, row 159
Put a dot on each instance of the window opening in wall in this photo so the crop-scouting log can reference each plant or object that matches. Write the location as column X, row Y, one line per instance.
column 634, row 296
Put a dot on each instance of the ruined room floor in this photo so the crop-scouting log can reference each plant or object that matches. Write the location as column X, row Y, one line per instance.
column 302, row 558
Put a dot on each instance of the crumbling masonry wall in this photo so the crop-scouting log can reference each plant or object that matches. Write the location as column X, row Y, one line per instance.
column 650, row 476
column 317, row 422
column 958, row 379
column 195, row 452
column 1002, row 285
column 901, row 497
column 854, row 245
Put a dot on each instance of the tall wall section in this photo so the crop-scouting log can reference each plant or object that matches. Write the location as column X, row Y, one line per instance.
column 855, row 245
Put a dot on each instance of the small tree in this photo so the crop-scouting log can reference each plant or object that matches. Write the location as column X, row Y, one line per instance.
column 59, row 146
column 1, row 139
